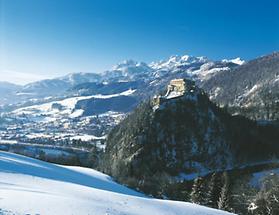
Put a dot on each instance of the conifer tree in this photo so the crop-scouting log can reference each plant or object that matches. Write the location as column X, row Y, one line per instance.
column 213, row 193
column 198, row 192
column 225, row 198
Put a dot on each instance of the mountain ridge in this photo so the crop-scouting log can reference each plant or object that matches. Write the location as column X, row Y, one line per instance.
column 252, row 88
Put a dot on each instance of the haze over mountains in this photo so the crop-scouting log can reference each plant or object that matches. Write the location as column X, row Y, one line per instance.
column 129, row 70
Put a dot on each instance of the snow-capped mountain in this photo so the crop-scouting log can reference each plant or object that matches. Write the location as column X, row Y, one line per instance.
column 157, row 74
column 29, row 186
column 198, row 68
column 235, row 61
column 78, row 78
column 128, row 70
column 175, row 62
column 58, row 86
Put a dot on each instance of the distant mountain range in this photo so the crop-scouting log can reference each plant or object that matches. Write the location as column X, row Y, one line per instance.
column 58, row 86
column 128, row 71
column 242, row 86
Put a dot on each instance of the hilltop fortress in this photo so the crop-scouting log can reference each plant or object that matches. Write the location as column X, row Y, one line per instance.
column 177, row 86
column 175, row 89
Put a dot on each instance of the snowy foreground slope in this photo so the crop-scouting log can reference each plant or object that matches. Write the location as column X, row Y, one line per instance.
column 29, row 186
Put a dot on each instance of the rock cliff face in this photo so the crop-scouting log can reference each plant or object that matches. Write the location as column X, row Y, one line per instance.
column 183, row 135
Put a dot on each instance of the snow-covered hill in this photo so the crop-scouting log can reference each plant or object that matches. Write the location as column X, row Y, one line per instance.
column 29, row 186
column 55, row 110
column 83, row 118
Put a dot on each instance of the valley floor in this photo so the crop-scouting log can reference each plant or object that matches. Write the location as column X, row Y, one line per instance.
column 29, row 186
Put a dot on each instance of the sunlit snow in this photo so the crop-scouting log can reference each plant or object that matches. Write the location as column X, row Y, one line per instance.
column 29, row 186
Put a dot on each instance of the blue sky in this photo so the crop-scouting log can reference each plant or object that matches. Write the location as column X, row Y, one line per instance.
column 47, row 38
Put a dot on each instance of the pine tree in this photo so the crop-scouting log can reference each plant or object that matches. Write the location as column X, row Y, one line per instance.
column 225, row 198
column 214, row 188
column 198, row 192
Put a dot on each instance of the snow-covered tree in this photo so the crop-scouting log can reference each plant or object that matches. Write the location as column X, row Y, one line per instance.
column 213, row 193
column 198, row 195
column 225, row 197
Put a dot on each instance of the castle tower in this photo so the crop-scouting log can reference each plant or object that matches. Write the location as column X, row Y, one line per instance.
column 177, row 86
